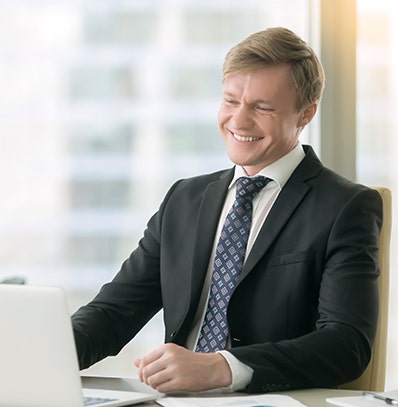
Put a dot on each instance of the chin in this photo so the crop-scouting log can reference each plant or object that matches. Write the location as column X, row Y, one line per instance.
column 240, row 162
column 238, row 158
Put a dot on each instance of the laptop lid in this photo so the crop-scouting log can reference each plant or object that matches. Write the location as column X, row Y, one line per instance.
column 38, row 361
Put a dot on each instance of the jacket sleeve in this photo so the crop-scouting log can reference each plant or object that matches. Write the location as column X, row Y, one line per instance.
column 339, row 348
column 124, row 305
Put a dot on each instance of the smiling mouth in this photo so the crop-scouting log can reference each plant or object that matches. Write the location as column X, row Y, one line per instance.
column 245, row 139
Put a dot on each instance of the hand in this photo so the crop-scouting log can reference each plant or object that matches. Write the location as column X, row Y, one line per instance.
column 172, row 368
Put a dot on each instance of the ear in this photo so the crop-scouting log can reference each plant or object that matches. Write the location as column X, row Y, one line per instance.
column 307, row 113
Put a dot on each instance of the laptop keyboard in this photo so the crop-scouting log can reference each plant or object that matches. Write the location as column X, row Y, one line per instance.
column 92, row 401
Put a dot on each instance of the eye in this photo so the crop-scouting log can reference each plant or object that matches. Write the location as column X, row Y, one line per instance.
column 230, row 101
column 262, row 108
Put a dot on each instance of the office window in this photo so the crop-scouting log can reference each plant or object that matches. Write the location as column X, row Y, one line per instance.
column 193, row 137
column 377, row 126
column 375, row 90
column 105, row 104
column 117, row 25
column 91, row 249
column 97, row 83
column 194, row 82
column 99, row 139
column 99, row 194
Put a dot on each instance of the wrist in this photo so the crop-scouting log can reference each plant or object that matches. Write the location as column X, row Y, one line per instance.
column 221, row 374
column 241, row 373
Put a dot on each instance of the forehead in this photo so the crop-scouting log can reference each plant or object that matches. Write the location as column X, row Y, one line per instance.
column 261, row 84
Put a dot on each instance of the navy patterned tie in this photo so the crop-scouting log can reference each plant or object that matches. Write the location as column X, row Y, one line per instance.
column 228, row 263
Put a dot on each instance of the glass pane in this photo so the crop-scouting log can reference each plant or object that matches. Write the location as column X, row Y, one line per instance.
column 377, row 125
column 104, row 105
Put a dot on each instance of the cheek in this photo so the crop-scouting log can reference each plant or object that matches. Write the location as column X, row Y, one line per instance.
column 222, row 120
column 221, row 116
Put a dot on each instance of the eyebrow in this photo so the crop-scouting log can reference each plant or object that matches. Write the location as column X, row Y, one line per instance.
column 267, row 102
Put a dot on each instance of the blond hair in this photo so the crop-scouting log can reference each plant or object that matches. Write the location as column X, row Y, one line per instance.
column 278, row 46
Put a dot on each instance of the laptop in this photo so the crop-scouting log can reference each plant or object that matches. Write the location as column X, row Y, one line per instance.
column 38, row 360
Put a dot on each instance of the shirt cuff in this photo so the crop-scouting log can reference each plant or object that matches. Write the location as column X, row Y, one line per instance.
column 241, row 373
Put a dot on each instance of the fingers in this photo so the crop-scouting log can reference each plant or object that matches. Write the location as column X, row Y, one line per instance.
column 151, row 365
column 171, row 368
column 161, row 369
column 137, row 364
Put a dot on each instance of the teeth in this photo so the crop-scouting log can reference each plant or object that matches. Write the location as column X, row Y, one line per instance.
column 247, row 139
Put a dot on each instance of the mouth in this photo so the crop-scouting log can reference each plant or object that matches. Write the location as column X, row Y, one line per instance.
column 245, row 139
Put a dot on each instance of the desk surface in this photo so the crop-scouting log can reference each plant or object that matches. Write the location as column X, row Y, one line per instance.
column 309, row 397
column 317, row 397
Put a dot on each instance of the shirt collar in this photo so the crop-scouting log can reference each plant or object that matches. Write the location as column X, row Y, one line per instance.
column 280, row 170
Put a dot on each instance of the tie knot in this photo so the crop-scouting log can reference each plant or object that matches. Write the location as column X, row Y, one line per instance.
column 248, row 188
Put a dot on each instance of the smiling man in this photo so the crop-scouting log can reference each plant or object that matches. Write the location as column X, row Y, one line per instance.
column 266, row 272
column 258, row 118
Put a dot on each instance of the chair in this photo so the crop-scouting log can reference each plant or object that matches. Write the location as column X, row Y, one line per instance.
column 373, row 378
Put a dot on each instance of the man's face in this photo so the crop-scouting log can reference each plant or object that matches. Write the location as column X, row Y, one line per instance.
column 258, row 119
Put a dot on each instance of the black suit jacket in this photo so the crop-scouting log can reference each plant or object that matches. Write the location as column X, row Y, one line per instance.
column 305, row 311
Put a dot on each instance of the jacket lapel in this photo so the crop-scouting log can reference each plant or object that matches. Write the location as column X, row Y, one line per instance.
column 283, row 208
column 285, row 205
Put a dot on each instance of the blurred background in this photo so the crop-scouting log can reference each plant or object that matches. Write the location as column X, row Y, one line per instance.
column 104, row 104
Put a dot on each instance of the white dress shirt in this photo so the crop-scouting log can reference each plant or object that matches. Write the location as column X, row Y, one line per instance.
column 279, row 172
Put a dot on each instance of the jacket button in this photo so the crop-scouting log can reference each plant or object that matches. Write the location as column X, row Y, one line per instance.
column 172, row 335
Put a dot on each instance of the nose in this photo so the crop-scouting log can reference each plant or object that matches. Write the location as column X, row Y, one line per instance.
column 241, row 118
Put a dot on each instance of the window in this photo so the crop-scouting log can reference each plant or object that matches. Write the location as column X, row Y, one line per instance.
column 105, row 104
column 377, row 125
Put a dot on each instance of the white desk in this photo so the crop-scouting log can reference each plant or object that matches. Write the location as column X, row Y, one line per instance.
column 317, row 397
column 309, row 397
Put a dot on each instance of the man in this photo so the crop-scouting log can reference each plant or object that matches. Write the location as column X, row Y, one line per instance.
column 301, row 310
